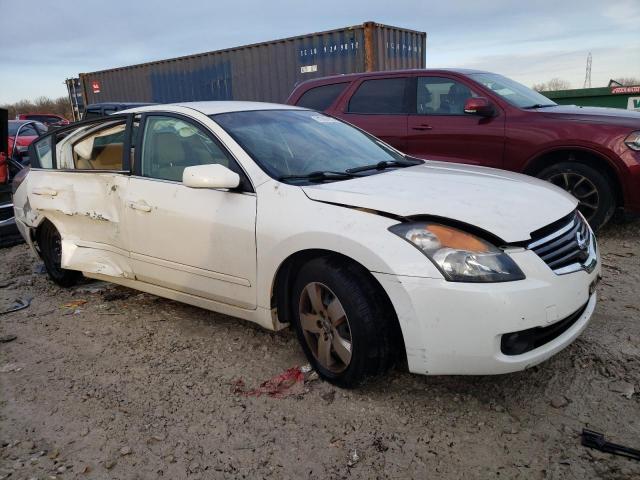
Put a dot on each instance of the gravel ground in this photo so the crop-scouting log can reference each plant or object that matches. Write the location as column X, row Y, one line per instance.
column 128, row 385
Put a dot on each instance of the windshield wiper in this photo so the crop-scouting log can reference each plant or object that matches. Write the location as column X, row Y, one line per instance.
column 384, row 165
column 320, row 176
column 540, row 105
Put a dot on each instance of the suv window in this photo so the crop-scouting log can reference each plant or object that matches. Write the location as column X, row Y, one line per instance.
column 441, row 96
column 386, row 95
column 321, row 98
column 170, row 144
column 28, row 131
column 101, row 150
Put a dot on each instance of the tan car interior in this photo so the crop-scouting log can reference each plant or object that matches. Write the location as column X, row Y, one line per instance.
column 100, row 151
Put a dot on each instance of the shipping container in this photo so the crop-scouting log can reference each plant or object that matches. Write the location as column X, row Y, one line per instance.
column 615, row 96
column 264, row 72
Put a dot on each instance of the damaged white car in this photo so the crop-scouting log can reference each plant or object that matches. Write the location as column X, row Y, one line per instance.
column 281, row 215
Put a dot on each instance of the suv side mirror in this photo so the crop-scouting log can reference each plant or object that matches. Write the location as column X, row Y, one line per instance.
column 479, row 106
column 210, row 176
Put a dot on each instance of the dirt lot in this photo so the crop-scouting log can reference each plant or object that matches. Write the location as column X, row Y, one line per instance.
column 129, row 385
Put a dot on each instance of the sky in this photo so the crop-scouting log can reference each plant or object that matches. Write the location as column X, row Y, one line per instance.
column 45, row 41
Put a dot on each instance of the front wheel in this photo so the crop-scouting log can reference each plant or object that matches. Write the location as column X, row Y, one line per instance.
column 50, row 245
column 342, row 323
column 592, row 189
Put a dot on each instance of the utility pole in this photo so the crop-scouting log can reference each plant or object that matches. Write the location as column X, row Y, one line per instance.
column 587, row 74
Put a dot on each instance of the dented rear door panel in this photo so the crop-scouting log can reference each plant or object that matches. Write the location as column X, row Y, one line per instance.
column 87, row 209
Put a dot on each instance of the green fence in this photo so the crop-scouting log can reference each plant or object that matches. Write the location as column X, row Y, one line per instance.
column 614, row 97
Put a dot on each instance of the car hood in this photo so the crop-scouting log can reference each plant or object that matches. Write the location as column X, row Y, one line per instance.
column 506, row 204
column 616, row 116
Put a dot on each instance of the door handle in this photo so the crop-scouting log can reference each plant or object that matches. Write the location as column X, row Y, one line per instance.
column 45, row 192
column 143, row 207
column 423, row 127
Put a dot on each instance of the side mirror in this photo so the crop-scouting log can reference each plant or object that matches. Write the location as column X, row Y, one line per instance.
column 479, row 106
column 210, row 176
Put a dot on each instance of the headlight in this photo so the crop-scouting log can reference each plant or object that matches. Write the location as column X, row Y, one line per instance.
column 460, row 256
column 633, row 141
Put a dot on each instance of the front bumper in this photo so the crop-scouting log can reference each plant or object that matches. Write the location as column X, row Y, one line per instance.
column 456, row 328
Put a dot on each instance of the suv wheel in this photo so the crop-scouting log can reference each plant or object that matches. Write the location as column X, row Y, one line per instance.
column 592, row 189
column 341, row 322
column 50, row 246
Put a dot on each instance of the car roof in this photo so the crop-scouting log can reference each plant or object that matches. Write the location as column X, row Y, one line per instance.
column 353, row 76
column 215, row 107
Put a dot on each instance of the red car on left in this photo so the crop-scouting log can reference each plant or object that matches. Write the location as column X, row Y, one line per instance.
column 49, row 119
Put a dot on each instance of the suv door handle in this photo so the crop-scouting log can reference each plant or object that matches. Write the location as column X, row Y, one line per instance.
column 423, row 127
column 45, row 191
column 141, row 206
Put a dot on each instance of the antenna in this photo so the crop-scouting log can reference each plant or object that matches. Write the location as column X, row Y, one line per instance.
column 587, row 74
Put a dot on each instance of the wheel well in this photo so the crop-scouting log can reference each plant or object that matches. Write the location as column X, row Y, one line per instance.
column 286, row 275
column 580, row 156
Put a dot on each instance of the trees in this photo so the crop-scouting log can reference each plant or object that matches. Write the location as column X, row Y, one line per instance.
column 625, row 81
column 59, row 106
column 553, row 84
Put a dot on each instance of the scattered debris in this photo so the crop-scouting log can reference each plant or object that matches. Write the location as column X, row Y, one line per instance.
column 353, row 458
column 329, row 396
column 18, row 304
column 559, row 401
column 625, row 388
column 110, row 463
column 94, row 287
column 40, row 269
column 6, row 283
column 289, row 383
column 74, row 304
column 7, row 338
column 126, row 450
column 11, row 367
column 596, row 440
column 118, row 294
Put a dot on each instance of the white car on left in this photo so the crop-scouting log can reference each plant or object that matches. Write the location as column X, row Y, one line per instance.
column 282, row 215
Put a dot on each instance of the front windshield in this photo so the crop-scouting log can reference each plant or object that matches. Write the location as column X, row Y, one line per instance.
column 513, row 92
column 300, row 142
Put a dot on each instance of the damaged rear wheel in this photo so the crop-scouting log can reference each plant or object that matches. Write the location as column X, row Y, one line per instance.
column 50, row 245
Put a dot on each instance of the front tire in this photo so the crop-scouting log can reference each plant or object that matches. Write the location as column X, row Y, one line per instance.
column 591, row 188
column 50, row 245
column 342, row 322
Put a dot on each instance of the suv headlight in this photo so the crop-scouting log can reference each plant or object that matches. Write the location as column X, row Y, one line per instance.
column 633, row 141
column 460, row 256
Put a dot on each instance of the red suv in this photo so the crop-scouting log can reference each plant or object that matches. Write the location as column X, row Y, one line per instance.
column 482, row 118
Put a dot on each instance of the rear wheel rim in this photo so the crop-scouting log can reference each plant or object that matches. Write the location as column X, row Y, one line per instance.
column 325, row 327
column 53, row 245
column 580, row 187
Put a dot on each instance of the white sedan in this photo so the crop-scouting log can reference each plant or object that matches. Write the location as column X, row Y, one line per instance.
column 285, row 216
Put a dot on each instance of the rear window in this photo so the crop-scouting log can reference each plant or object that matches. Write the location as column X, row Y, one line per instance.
column 44, row 158
column 321, row 98
column 386, row 95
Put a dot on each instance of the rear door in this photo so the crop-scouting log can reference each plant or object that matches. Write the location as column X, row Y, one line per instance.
column 194, row 240
column 380, row 106
column 438, row 129
column 77, row 182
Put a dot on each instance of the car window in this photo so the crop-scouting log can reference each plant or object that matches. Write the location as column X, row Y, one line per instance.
column 170, row 144
column 441, row 96
column 41, row 128
column 512, row 91
column 28, row 131
column 321, row 98
column 298, row 142
column 101, row 150
column 386, row 95
column 92, row 114
column 43, row 153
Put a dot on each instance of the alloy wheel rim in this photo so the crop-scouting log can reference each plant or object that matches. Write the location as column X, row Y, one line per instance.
column 325, row 327
column 580, row 187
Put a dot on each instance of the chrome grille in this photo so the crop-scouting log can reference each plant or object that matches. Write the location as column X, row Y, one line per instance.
column 570, row 247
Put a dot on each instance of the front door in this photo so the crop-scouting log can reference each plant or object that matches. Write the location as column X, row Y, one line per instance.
column 440, row 130
column 197, row 241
